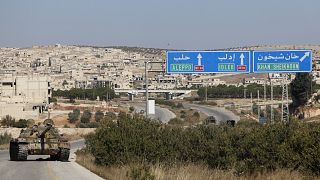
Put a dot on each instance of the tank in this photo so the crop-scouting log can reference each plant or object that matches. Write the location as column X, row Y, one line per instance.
column 41, row 139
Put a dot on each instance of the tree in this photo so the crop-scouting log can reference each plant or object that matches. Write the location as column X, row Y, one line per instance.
column 74, row 116
column 98, row 116
column 8, row 121
column 86, row 116
column 300, row 89
column 22, row 123
column 53, row 100
column 131, row 108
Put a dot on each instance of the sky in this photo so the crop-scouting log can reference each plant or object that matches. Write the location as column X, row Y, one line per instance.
column 172, row 24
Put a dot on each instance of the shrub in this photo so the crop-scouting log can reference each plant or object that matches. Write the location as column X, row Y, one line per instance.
column 8, row 121
column 66, row 126
column 53, row 100
column 98, row 116
column 111, row 115
column 93, row 124
column 196, row 114
column 22, row 123
column 131, row 108
column 74, row 116
column 5, row 138
column 248, row 148
column 86, row 116
column 175, row 121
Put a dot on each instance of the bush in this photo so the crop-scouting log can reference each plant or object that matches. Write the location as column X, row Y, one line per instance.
column 66, row 126
column 8, row 121
column 182, row 116
column 5, row 138
column 74, row 116
column 82, row 125
column 86, row 116
column 22, row 123
column 248, row 147
column 53, row 100
column 131, row 108
column 175, row 121
column 93, row 124
column 165, row 102
column 196, row 114
column 110, row 115
column 98, row 116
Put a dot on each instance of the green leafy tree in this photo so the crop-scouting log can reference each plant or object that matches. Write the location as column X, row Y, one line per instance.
column 301, row 89
column 86, row 116
column 74, row 115
column 98, row 116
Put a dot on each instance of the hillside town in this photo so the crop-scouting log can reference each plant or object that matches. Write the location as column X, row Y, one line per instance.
column 28, row 76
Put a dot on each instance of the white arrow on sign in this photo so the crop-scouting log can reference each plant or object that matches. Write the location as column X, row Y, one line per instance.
column 307, row 54
column 199, row 59
column 242, row 59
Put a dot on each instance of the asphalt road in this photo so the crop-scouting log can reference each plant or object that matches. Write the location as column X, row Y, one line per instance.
column 38, row 167
column 162, row 114
column 221, row 114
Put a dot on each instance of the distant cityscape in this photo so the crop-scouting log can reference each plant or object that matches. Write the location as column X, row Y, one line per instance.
column 28, row 75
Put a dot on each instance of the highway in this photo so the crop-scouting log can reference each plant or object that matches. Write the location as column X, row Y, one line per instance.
column 162, row 114
column 38, row 167
column 221, row 114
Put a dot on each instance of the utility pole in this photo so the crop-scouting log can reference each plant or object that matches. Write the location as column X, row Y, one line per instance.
column 147, row 89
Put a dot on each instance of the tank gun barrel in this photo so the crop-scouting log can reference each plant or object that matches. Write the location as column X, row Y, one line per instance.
column 46, row 129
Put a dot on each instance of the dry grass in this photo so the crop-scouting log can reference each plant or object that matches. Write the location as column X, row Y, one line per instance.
column 87, row 160
column 178, row 172
column 4, row 146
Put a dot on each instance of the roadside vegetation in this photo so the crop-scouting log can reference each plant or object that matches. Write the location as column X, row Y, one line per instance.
column 224, row 91
column 300, row 87
column 4, row 141
column 174, row 172
column 248, row 149
column 91, row 94
column 87, row 119
column 9, row 121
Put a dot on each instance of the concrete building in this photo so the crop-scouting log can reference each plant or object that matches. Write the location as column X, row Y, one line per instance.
column 21, row 96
